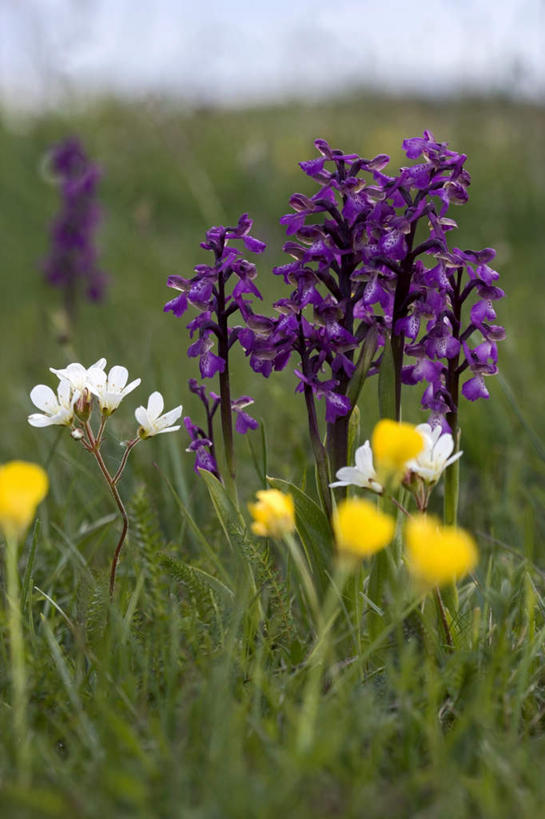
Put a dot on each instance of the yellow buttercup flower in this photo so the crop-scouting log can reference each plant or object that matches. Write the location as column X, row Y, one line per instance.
column 273, row 514
column 437, row 554
column 394, row 443
column 23, row 486
column 360, row 528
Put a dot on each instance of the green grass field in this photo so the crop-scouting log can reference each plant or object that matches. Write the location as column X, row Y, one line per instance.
column 184, row 697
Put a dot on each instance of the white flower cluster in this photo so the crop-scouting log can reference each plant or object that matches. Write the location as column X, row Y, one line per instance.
column 77, row 385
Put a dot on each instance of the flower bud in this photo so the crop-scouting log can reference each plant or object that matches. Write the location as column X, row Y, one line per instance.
column 82, row 407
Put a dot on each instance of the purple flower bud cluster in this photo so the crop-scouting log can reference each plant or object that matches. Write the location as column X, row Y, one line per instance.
column 72, row 260
column 218, row 291
column 359, row 272
column 202, row 441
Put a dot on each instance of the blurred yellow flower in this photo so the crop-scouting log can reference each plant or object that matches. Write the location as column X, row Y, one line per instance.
column 23, row 486
column 360, row 528
column 437, row 554
column 394, row 443
column 273, row 514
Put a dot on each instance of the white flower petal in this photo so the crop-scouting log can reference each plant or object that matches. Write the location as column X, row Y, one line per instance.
column 168, row 418
column 454, row 458
column 66, row 395
column 349, row 475
column 117, row 378
column 132, row 386
column 44, row 398
column 364, row 460
column 141, row 415
column 99, row 365
column 436, row 433
column 110, row 400
column 168, row 429
column 155, row 405
column 96, row 380
column 443, row 448
column 39, row 420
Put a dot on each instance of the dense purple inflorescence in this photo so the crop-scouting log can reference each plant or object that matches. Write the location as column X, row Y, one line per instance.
column 72, row 260
column 371, row 261
column 372, row 280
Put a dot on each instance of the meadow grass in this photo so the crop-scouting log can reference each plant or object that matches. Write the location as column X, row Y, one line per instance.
column 185, row 696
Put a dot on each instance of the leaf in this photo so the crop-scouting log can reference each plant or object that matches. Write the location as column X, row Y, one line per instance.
column 363, row 363
column 236, row 532
column 386, row 384
column 231, row 520
column 27, row 579
column 313, row 528
column 260, row 466
column 353, row 434
column 179, row 570
column 202, row 541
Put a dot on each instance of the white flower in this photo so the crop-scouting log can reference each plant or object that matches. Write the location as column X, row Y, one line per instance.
column 363, row 474
column 150, row 419
column 436, row 455
column 110, row 390
column 57, row 409
column 79, row 377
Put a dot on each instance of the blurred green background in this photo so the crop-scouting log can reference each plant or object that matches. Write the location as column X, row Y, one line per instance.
column 168, row 174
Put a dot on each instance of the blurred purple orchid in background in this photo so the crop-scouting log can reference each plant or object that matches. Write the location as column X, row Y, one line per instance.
column 72, row 261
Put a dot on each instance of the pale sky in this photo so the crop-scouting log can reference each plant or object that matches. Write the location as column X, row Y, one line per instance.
column 234, row 51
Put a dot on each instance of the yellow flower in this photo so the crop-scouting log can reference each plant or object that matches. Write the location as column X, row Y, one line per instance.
column 273, row 514
column 394, row 443
column 22, row 487
column 360, row 528
column 437, row 554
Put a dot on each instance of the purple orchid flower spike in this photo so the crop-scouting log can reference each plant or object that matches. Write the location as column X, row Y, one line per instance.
column 218, row 291
column 72, row 263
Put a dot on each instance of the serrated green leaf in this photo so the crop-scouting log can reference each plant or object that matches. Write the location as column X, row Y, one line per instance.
column 171, row 563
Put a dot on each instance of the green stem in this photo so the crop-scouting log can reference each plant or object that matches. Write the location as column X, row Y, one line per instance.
column 311, row 696
column 337, row 444
column 452, row 490
column 122, row 465
column 306, row 579
column 450, row 518
column 18, row 670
